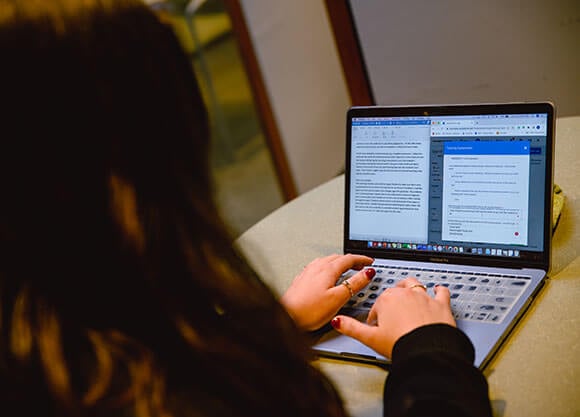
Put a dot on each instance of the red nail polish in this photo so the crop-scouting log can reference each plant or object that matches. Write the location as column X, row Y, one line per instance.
column 370, row 273
column 335, row 322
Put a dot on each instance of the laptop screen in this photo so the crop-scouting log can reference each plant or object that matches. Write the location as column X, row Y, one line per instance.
column 467, row 183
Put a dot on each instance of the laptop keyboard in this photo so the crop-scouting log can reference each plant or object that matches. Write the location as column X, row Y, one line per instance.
column 474, row 296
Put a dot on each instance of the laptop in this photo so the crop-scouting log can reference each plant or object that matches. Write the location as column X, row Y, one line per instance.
column 455, row 195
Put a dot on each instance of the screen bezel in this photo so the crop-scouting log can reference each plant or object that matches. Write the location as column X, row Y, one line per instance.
column 542, row 260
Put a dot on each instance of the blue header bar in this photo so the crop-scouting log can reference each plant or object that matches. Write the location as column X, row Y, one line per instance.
column 487, row 148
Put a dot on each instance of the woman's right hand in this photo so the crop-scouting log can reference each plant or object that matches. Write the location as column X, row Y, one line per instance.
column 397, row 312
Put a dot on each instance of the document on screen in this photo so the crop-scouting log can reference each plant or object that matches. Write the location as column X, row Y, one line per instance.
column 389, row 187
column 486, row 191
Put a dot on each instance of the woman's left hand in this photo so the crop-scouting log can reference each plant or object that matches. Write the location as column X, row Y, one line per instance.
column 313, row 298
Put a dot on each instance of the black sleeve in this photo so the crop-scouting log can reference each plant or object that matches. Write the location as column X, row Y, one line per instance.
column 432, row 374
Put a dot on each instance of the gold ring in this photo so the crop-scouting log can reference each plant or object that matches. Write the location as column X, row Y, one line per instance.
column 418, row 285
column 347, row 285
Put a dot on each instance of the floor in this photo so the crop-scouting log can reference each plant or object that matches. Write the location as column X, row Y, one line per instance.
column 246, row 186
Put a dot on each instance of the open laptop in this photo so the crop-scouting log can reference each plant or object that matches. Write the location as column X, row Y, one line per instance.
column 456, row 195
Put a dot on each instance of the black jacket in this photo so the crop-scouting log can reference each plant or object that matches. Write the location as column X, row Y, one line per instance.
column 432, row 374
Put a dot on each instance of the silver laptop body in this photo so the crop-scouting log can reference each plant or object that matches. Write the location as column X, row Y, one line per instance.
column 455, row 195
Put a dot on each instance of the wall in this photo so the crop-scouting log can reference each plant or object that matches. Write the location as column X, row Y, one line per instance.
column 301, row 69
column 448, row 51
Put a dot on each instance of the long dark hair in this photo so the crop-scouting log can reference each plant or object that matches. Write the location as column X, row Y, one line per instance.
column 120, row 291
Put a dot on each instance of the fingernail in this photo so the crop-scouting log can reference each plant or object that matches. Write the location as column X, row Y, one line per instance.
column 335, row 322
column 370, row 273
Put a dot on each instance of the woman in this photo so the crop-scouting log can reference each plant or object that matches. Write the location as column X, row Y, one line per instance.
column 120, row 292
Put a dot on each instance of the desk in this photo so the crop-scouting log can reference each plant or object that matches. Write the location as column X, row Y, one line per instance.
column 535, row 373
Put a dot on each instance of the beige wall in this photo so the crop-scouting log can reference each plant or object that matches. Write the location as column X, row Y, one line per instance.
column 472, row 51
column 302, row 73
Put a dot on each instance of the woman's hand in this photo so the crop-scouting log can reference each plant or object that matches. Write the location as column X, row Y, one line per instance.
column 313, row 299
column 397, row 312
